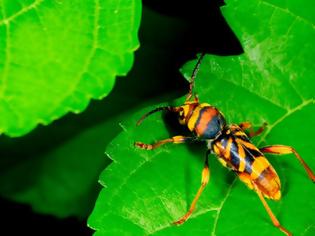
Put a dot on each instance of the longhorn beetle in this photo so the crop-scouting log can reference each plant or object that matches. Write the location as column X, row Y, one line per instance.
column 231, row 145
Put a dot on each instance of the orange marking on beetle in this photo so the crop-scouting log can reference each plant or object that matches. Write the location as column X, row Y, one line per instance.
column 240, row 133
column 228, row 149
column 241, row 153
column 248, row 145
column 245, row 178
column 269, row 183
column 204, row 118
column 258, row 166
column 221, row 151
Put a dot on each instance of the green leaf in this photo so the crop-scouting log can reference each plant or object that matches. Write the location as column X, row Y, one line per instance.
column 55, row 168
column 145, row 191
column 57, row 55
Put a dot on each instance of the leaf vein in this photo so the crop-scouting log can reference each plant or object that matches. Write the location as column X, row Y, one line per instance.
column 6, row 21
column 287, row 10
column 6, row 61
column 89, row 57
column 215, row 224
column 280, row 119
column 145, row 160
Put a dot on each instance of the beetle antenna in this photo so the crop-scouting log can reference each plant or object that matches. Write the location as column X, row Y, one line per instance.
column 167, row 108
column 193, row 76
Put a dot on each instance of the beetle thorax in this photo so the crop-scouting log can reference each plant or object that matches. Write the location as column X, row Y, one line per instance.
column 204, row 120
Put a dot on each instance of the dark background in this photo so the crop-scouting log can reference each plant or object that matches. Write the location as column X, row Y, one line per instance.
column 169, row 35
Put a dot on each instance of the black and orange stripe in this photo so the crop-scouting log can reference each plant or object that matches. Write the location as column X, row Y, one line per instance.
column 235, row 151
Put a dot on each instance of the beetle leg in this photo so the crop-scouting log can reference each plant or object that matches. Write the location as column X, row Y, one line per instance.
column 248, row 126
column 204, row 181
column 273, row 218
column 175, row 139
column 281, row 149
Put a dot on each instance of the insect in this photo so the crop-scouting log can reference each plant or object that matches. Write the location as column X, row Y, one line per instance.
column 232, row 147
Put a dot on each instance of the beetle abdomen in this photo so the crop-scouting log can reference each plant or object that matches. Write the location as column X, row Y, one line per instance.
column 236, row 152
